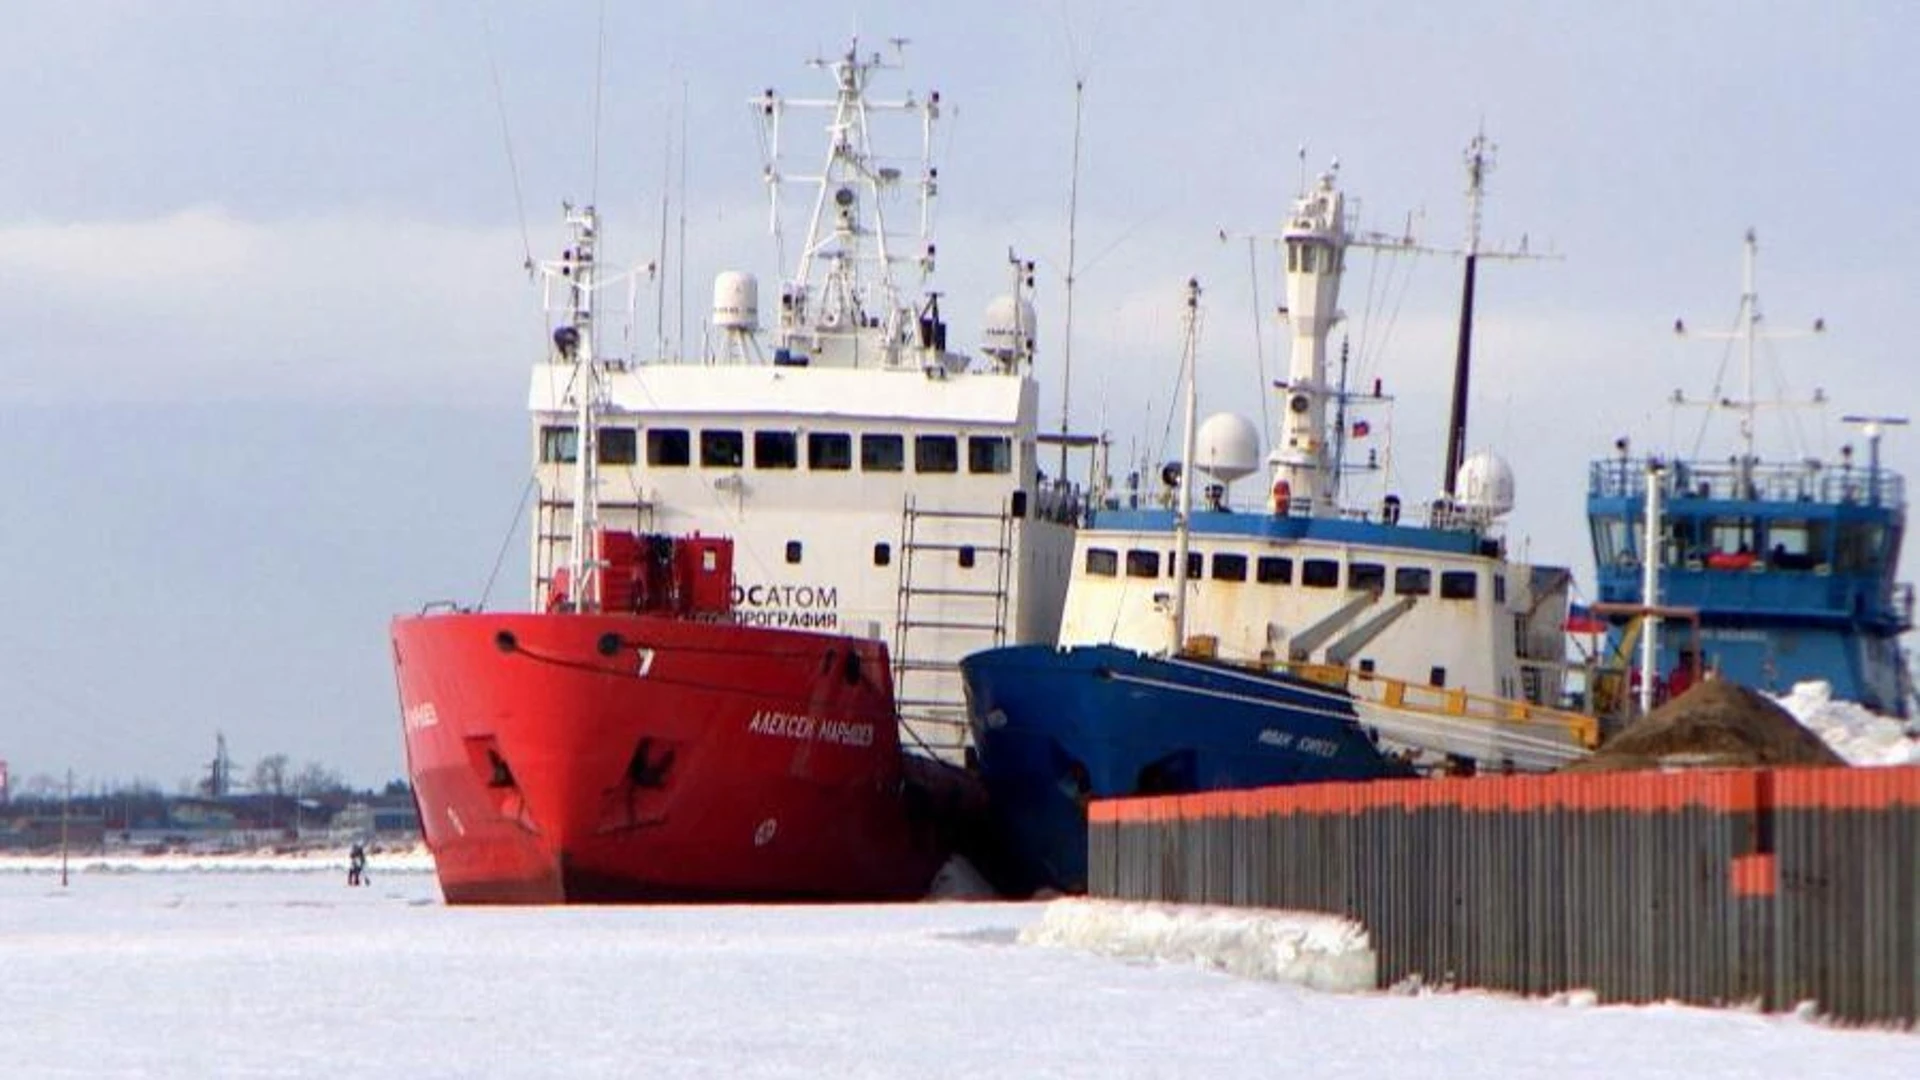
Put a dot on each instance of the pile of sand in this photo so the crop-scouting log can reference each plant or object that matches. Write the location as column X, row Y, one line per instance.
column 1716, row 724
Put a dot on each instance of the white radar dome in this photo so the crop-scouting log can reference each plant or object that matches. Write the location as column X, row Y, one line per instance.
column 736, row 301
column 1227, row 447
column 1010, row 328
column 1485, row 483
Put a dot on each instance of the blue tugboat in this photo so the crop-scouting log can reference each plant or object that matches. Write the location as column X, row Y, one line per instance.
column 1790, row 564
column 1288, row 641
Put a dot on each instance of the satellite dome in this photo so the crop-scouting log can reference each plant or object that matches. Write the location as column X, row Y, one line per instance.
column 1010, row 328
column 1227, row 447
column 736, row 301
column 1485, row 484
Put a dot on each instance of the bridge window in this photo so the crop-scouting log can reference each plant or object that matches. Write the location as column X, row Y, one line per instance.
column 1859, row 547
column 1104, row 562
column 1194, row 560
column 669, row 447
column 1143, row 564
column 1613, row 543
column 1229, row 567
column 1796, row 545
column 722, row 449
column 1684, row 547
column 775, row 450
column 883, row 453
column 936, row 454
column 1319, row 573
column 1459, row 585
column 1273, row 570
column 1363, row 576
column 558, row 444
column 830, row 451
column 1412, row 581
column 989, row 454
column 1731, row 536
column 619, row 446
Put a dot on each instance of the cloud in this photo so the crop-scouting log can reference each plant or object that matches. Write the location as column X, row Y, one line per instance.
column 200, row 304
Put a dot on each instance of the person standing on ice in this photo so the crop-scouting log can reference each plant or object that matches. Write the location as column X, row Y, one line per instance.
column 357, row 866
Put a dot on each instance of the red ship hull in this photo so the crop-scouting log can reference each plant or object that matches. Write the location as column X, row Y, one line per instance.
column 609, row 758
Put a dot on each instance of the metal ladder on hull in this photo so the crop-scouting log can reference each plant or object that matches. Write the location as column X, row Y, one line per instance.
column 553, row 518
column 937, row 622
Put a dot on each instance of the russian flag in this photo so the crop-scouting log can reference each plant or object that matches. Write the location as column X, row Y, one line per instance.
column 1582, row 620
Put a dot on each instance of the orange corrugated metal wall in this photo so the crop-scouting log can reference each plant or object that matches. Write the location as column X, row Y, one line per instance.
column 1719, row 887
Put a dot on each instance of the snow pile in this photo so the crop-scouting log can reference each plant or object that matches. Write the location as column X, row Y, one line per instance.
column 1322, row 952
column 1861, row 737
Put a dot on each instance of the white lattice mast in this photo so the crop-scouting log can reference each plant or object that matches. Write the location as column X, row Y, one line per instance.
column 576, row 275
column 843, row 279
column 1747, row 330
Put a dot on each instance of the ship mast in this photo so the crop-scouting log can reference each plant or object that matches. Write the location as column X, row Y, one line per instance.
column 1479, row 160
column 1747, row 331
column 854, row 314
column 576, row 342
column 1316, row 242
column 1184, row 507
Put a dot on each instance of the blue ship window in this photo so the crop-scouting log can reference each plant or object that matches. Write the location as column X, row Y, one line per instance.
column 1103, row 561
column 618, row 446
column 1796, row 544
column 989, row 454
column 793, row 551
column 936, row 454
column 1613, row 542
column 1229, row 567
column 883, row 453
column 1143, row 564
column 669, row 447
column 722, row 449
column 966, row 556
column 829, row 451
column 1273, row 570
column 1683, row 543
column 558, row 444
column 1499, row 589
column 1437, row 677
column 1412, row 581
column 1362, row 576
column 1859, row 548
column 882, row 553
column 775, row 450
column 1459, row 585
column 1731, row 536
column 1319, row 573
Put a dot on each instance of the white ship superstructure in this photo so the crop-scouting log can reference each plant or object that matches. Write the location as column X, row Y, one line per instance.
column 873, row 480
column 1415, row 605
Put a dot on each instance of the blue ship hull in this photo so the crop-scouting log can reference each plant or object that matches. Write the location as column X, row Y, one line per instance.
column 1056, row 727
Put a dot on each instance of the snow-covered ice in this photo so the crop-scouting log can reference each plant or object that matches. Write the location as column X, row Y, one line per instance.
column 204, row 972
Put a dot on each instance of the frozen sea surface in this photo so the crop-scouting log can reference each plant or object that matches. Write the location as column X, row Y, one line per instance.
column 181, row 973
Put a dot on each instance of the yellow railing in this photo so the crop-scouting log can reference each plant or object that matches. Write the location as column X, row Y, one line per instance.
column 1445, row 701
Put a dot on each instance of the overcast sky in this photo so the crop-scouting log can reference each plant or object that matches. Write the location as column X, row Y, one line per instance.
column 264, row 330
